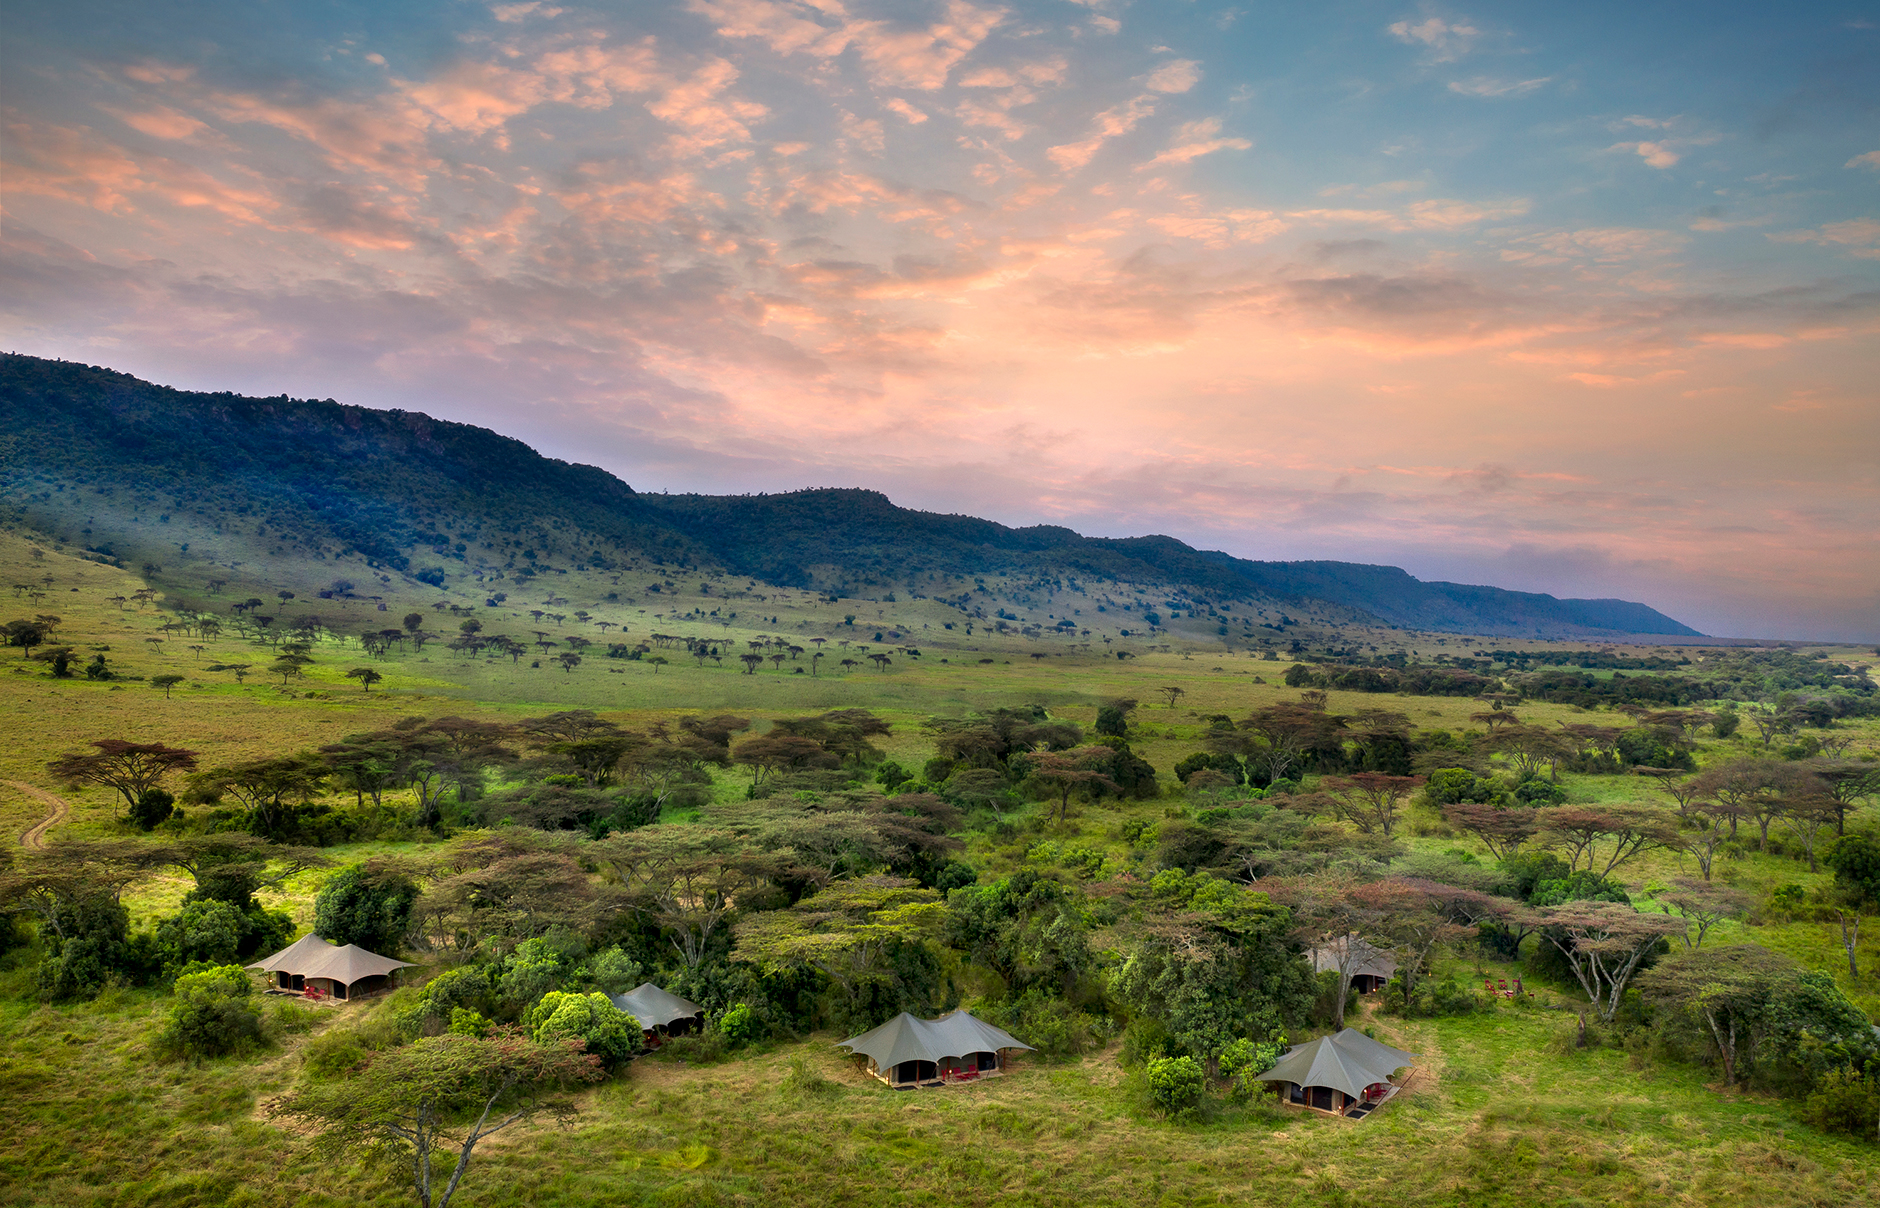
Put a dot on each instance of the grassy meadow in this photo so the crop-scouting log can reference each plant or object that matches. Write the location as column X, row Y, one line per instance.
column 1500, row 1112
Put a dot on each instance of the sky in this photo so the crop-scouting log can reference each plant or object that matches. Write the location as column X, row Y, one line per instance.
column 1577, row 298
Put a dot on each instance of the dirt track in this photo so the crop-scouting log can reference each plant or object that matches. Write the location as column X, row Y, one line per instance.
column 35, row 835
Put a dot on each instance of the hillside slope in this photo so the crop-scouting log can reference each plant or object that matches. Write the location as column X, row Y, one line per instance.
column 83, row 445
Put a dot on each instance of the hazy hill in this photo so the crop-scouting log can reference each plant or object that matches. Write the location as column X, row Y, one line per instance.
column 143, row 467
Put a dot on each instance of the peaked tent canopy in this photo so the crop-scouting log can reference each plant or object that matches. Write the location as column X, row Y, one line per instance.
column 291, row 958
column 311, row 958
column 1348, row 1062
column 905, row 1038
column 654, row 1007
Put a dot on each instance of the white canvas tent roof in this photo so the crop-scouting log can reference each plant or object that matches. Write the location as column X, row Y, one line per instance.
column 654, row 1007
column 905, row 1038
column 1349, row 1062
column 291, row 958
column 311, row 956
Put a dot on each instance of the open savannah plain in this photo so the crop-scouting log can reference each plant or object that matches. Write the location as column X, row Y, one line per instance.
column 577, row 581
column 1504, row 1106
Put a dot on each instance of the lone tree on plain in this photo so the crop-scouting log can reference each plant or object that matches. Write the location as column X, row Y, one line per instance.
column 132, row 768
column 366, row 677
column 165, row 682
column 568, row 659
column 405, row 1099
column 1173, row 693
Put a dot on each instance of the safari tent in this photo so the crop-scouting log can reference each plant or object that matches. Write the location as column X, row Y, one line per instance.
column 1347, row 1075
column 341, row 972
column 656, row 1009
column 1373, row 969
column 907, row 1052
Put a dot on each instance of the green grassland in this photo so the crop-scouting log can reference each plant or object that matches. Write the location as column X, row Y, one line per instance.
column 1499, row 1113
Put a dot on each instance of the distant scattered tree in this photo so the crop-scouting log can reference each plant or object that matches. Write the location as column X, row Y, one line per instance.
column 414, row 621
column 366, row 677
column 1173, row 693
column 165, row 682
column 26, row 635
column 568, row 659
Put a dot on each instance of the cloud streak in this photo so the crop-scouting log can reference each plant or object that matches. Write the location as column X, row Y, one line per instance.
column 977, row 256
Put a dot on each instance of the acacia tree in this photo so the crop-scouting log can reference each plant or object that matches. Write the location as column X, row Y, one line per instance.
column 848, row 931
column 774, row 752
column 268, row 789
column 687, row 878
column 1293, row 733
column 366, row 677
column 1063, row 772
column 1848, row 784
column 1604, row 943
column 1806, row 818
column 132, row 768
column 1752, row 788
column 1331, row 917
column 406, row 1100
column 1408, row 911
column 1502, row 831
column 1580, row 830
column 1704, row 904
column 1727, row 989
column 1370, row 800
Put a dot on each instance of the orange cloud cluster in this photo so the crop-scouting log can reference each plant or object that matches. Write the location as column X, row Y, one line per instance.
column 969, row 257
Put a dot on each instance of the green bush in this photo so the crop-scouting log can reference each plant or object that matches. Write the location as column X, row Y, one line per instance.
column 1175, row 1083
column 1845, row 1102
column 154, row 806
column 428, row 1012
column 205, row 930
column 363, row 906
column 609, row 1032
column 614, row 972
column 738, row 1024
column 535, row 968
column 214, row 1014
column 90, row 945
column 335, row 1052
column 1244, row 1058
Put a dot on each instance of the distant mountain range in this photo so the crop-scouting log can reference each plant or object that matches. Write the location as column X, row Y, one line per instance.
column 317, row 478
